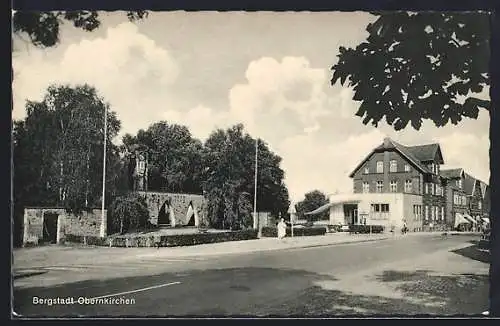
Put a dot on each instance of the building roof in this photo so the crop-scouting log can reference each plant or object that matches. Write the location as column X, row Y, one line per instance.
column 452, row 173
column 469, row 184
column 414, row 154
column 426, row 152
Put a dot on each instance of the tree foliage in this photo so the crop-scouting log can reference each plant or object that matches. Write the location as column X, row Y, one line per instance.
column 416, row 66
column 43, row 27
column 58, row 149
column 174, row 157
column 313, row 200
column 128, row 213
column 229, row 178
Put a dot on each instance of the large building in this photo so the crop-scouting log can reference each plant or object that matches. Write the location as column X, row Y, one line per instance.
column 396, row 184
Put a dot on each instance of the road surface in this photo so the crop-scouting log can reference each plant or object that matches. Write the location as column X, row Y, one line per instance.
column 412, row 275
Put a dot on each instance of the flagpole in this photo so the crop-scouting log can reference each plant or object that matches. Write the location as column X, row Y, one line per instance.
column 255, row 222
column 104, row 162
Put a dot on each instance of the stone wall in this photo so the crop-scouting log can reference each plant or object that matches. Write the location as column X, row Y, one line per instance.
column 180, row 206
column 88, row 223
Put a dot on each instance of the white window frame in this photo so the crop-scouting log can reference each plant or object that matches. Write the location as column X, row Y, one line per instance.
column 459, row 183
column 407, row 168
column 381, row 188
column 380, row 166
column 426, row 212
column 366, row 170
column 426, row 188
column 432, row 189
column 479, row 205
column 408, row 186
column 442, row 213
column 393, row 166
column 366, row 187
column 393, row 186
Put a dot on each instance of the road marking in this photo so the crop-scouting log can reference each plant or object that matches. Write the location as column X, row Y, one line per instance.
column 135, row 291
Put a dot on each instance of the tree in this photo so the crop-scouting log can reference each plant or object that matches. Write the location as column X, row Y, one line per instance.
column 313, row 200
column 229, row 178
column 43, row 27
column 416, row 66
column 128, row 213
column 174, row 157
column 58, row 149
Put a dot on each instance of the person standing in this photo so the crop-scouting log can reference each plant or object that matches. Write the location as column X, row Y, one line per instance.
column 281, row 229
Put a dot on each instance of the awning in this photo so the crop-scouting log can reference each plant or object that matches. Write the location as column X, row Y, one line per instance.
column 470, row 218
column 459, row 219
column 333, row 203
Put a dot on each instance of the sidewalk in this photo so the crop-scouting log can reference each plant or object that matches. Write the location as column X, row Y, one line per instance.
column 40, row 257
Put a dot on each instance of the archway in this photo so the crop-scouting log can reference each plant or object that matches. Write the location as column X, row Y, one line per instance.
column 164, row 214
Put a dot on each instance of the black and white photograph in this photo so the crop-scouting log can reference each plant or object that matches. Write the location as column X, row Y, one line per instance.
column 262, row 164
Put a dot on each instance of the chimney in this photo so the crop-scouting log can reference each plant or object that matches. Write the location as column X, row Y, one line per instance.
column 387, row 142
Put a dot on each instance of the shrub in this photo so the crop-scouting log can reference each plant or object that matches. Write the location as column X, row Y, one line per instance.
column 202, row 238
column 129, row 213
column 272, row 232
column 366, row 229
column 85, row 239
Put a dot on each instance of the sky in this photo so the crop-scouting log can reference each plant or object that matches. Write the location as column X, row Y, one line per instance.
column 270, row 71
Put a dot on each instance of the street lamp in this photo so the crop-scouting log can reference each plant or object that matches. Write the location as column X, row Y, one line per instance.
column 292, row 211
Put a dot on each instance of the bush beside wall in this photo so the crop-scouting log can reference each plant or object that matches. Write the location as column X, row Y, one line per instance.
column 366, row 229
column 272, row 232
column 164, row 241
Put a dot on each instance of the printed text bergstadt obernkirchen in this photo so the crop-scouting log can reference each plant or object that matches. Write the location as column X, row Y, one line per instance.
column 82, row 301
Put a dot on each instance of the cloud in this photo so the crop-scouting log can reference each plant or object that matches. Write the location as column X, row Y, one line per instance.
column 128, row 69
column 274, row 90
column 200, row 120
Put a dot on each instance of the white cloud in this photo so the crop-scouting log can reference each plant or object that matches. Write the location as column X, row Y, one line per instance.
column 274, row 89
column 200, row 120
column 128, row 69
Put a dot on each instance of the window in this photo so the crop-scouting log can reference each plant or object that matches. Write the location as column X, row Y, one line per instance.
column 408, row 185
column 417, row 211
column 393, row 166
column 407, row 168
column 459, row 183
column 380, row 186
column 426, row 188
column 375, row 208
column 455, row 199
column 384, row 208
column 366, row 170
column 366, row 187
column 464, row 200
column 380, row 167
column 479, row 205
column 438, row 190
column 442, row 213
column 432, row 189
column 426, row 212
column 433, row 211
column 380, row 211
column 394, row 186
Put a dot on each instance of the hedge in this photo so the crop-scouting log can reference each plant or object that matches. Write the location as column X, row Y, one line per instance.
column 164, row 241
column 366, row 228
column 272, row 232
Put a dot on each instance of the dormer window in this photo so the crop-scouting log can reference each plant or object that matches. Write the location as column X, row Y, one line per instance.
column 407, row 168
column 459, row 183
column 366, row 170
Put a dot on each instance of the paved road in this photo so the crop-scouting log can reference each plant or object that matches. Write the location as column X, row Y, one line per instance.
column 313, row 281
